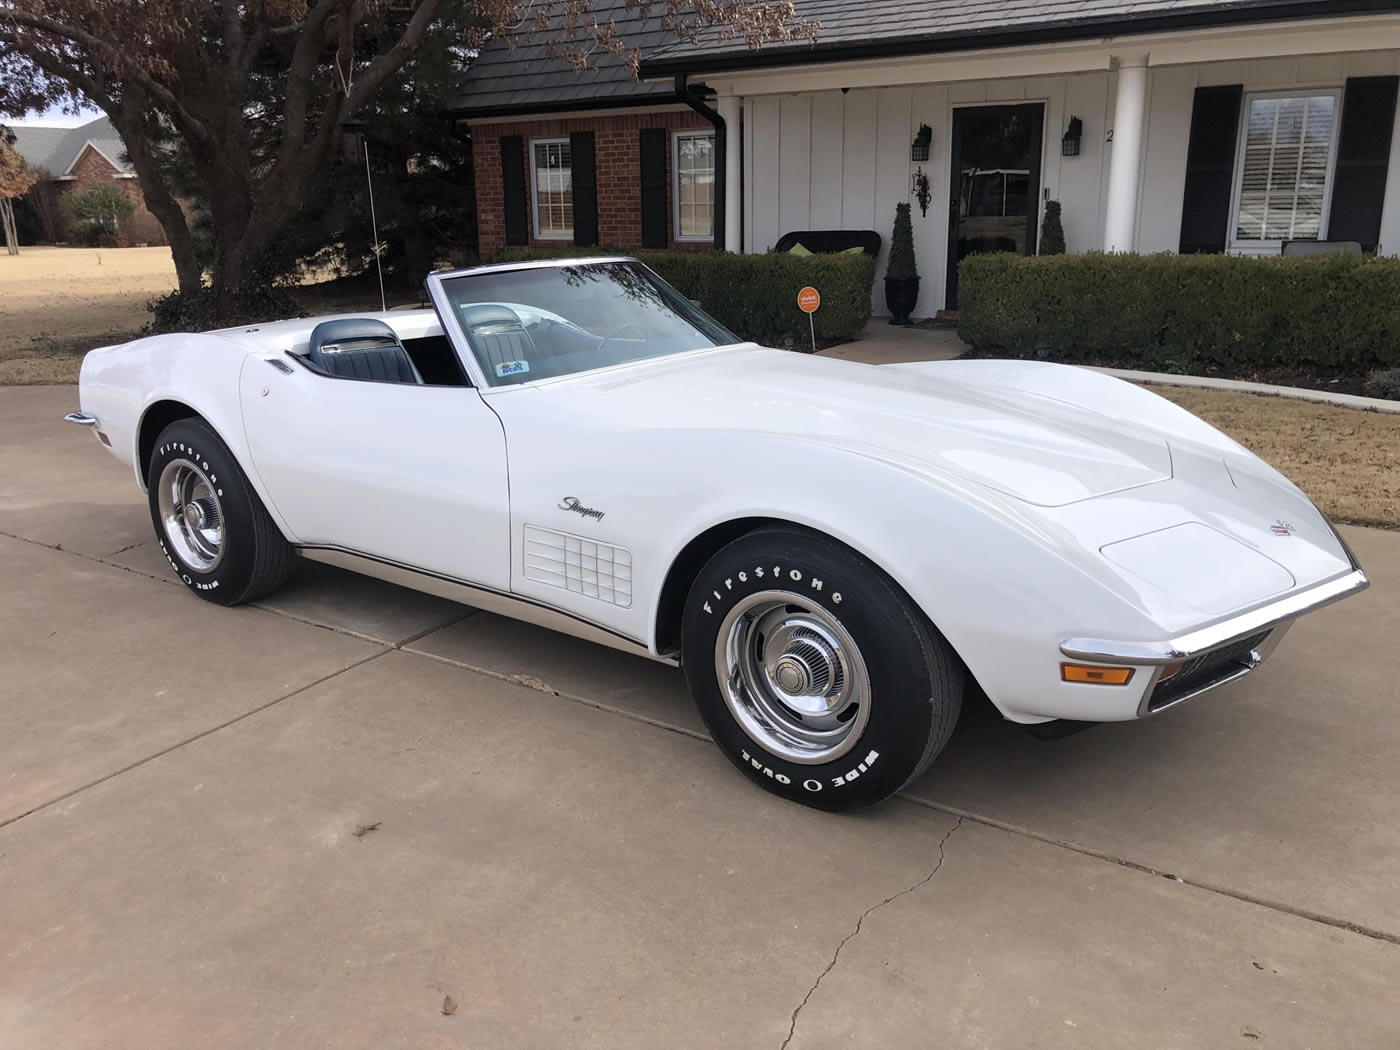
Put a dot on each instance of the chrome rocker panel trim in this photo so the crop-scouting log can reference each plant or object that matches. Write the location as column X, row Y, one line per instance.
column 1203, row 640
column 483, row 598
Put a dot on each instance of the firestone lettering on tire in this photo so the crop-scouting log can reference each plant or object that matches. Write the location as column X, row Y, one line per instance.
column 795, row 575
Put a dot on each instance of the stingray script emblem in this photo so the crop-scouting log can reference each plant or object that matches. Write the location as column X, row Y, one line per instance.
column 570, row 503
column 1282, row 528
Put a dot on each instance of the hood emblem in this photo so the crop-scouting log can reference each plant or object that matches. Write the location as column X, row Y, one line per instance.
column 1282, row 528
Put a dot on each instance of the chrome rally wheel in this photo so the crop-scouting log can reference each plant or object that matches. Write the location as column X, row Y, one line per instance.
column 211, row 525
column 191, row 515
column 792, row 677
column 815, row 673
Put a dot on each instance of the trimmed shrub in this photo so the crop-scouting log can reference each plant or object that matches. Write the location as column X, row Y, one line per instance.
column 1184, row 313
column 755, row 296
column 1384, row 382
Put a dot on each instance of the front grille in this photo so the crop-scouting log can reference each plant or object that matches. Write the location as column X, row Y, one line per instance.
column 1207, row 670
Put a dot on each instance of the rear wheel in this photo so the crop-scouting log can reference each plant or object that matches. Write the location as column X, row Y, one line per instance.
column 211, row 525
column 815, row 674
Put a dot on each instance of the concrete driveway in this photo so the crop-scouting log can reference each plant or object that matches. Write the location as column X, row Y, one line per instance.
column 309, row 823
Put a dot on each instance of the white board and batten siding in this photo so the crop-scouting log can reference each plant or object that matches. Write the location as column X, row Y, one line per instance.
column 841, row 160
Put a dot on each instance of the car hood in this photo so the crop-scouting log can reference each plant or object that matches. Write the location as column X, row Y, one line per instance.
column 1023, row 444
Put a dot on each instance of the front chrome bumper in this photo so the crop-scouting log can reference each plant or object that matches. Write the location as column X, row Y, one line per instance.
column 1202, row 640
column 1262, row 628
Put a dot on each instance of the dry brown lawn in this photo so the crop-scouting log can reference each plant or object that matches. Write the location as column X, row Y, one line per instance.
column 57, row 303
column 1346, row 460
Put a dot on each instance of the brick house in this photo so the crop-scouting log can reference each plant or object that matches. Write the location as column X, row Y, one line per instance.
column 74, row 159
column 1243, row 126
column 592, row 158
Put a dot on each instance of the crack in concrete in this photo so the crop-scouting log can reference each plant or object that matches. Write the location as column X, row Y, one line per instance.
column 836, row 955
column 985, row 820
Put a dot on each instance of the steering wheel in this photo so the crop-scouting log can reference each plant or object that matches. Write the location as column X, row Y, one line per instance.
column 613, row 332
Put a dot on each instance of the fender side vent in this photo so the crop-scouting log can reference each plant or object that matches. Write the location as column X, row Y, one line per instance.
column 572, row 563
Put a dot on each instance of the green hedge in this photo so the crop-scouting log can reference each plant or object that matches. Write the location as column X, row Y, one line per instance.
column 755, row 296
column 1182, row 313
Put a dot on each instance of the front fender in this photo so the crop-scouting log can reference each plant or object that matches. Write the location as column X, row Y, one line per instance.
column 1001, row 585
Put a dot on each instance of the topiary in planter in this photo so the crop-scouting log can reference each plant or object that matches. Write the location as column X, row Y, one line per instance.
column 1052, row 230
column 901, row 273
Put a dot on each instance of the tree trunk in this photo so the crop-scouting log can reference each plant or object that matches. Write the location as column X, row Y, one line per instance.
column 7, row 214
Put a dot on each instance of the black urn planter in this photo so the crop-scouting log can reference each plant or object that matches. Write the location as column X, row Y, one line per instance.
column 901, row 296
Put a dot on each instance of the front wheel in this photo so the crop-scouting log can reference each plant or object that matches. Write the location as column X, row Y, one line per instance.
column 815, row 674
column 212, row 527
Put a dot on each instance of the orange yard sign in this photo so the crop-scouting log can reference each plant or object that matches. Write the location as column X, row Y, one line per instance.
column 809, row 299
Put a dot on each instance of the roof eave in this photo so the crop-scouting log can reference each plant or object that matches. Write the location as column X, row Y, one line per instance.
column 1037, row 33
column 525, row 111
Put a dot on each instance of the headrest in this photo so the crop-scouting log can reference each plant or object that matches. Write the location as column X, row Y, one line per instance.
column 360, row 333
column 479, row 314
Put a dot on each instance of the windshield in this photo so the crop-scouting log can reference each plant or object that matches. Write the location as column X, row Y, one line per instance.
column 548, row 321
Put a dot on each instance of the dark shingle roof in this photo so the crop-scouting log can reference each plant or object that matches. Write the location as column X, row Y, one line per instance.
column 55, row 149
column 895, row 27
column 525, row 78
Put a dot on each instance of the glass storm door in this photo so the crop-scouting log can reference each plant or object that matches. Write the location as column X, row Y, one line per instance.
column 996, row 183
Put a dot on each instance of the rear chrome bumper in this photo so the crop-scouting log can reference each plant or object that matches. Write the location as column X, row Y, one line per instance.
column 1218, row 653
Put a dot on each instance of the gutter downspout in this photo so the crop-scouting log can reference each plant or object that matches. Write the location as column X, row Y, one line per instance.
column 685, row 93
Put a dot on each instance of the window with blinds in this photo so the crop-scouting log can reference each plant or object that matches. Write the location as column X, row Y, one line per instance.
column 1285, row 167
column 552, row 180
column 694, row 165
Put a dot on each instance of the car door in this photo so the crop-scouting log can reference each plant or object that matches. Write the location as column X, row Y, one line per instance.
column 403, row 472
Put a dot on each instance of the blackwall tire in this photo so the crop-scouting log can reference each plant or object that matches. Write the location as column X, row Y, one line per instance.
column 813, row 671
column 210, row 524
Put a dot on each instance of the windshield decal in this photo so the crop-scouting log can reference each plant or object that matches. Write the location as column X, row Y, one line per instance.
column 510, row 368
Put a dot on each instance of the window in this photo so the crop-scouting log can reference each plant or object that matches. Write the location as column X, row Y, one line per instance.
column 693, row 161
column 553, row 188
column 1284, row 169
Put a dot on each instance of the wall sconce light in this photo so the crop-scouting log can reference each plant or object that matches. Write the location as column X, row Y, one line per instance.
column 919, row 150
column 1069, row 145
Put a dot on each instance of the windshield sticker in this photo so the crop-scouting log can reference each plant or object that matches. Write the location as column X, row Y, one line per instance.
column 511, row 368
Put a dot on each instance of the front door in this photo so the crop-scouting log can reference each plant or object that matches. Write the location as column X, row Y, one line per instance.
column 996, row 183
column 398, row 471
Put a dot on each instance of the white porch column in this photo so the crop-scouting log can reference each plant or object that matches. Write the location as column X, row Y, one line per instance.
column 729, row 108
column 1125, row 171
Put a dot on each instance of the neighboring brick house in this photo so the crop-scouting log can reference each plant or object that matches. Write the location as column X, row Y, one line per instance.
column 592, row 158
column 74, row 159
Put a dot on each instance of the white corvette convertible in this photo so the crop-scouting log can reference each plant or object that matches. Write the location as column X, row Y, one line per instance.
column 831, row 550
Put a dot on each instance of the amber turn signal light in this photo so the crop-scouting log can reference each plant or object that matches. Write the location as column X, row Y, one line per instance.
column 1092, row 675
column 1169, row 671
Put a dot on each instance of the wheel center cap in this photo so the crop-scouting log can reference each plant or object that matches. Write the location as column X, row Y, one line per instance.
column 194, row 515
column 792, row 675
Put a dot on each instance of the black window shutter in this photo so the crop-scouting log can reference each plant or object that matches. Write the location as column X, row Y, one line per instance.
column 652, row 142
column 514, row 189
column 1210, row 169
column 585, row 183
column 1363, row 160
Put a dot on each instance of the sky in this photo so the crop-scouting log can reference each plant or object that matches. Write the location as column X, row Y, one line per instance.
column 54, row 117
